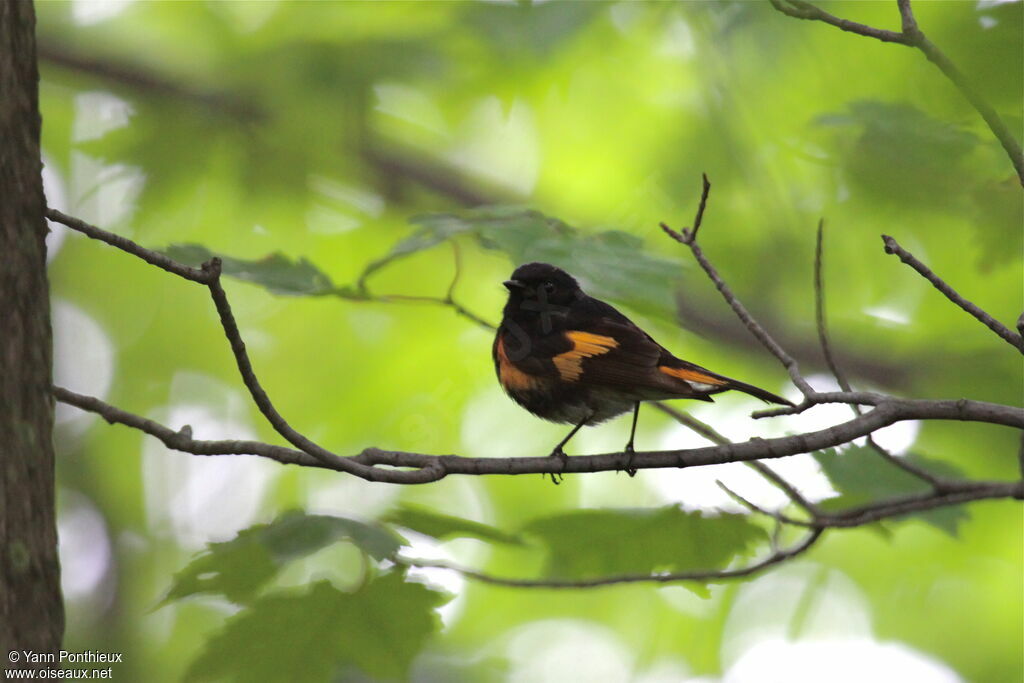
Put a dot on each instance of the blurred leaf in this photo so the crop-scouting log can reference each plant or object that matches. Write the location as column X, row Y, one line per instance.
column 276, row 272
column 431, row 234
column 441, row 526
column 999, row 207
column 861, row 476
column 589, row 543
column 238, row 568
column 898, row 150
column 529, row 29
column 610, row 264
column 324, row 634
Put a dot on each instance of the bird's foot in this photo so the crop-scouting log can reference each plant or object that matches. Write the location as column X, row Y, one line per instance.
column 556, row 477
column 631, row 471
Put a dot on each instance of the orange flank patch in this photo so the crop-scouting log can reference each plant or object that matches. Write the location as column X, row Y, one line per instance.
column 584, row 345
column 691, row 375
column 512, row 378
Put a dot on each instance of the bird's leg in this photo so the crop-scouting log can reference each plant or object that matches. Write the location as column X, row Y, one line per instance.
column 558, row 452
column 629, row 445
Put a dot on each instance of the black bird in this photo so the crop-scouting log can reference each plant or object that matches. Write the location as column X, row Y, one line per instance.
column 568, row 357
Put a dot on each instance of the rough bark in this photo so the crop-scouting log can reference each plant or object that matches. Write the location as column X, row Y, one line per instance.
column 31, row 611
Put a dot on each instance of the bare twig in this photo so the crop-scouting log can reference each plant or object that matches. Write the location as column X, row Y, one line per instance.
column 819, row 312
column 713, row 436
column 446, row 302
column 1014, row 339
column 209, row 275
column 697, row 426
column 774, row 514
column 776, row 557
column 833, row 365
column 895, row 507
column 911, row 35
column 786, row 487
column 140, row 79
column 1020, row 455
column 439, row 466
column 182, row 440
column 124, row 244
column 362, row 291
column 688, row 238
column 898, row 507
column 805, row 10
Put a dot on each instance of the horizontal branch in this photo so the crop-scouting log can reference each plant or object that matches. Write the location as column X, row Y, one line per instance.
column 375, row 464
column 716, row 575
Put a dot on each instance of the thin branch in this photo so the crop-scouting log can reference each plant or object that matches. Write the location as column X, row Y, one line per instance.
column 819, row 311
column 708, row 575
column 719, row 324
column 378, row 463
column 936, row 482
column 181, row 440
column 688, row 238
column 898, row 507
column 259, row 396
column 1020, row 455
column 822, row 324
column 713, row 436
column 1014, row 339
column 699, row 218
column 911, row 35
column 124, row 244
column 894, row 507
column 697, row 426
column 362, row 291
column 209, row 275
column 140, row 79
column 455, row 306
column 786, row 487
column 805, row 10
column 774, row 514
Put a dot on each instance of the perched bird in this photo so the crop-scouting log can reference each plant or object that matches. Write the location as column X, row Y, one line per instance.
column 568, row 357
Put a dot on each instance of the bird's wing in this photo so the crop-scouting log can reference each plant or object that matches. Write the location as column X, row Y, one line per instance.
column 619, row 355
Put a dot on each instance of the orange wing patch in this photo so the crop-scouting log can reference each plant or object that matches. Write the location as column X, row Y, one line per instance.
column 512, row 378
column 692, row 375
column 584, row 345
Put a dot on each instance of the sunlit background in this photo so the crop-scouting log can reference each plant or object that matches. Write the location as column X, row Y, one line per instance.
column 318, row 130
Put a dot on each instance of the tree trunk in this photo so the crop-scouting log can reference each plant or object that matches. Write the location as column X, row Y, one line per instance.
column 31, row 611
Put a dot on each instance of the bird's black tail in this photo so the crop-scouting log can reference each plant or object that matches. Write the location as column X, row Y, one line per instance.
column 766, row 396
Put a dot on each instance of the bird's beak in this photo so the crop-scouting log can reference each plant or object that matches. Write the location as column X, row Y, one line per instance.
column 513, row 284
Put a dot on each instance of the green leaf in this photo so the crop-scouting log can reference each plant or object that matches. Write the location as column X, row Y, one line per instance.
column 861, row 476
column 239, row 568
column 430, row 234
column 276, row 272
column 324, row 634
column 610, row 264
column 589, row 543
column 441, row 526
column 897, row 150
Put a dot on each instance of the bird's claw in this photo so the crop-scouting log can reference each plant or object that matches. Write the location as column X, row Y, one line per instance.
column 556, row 477
column 631, row 471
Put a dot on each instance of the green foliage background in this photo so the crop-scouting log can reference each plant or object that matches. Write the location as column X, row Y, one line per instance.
column 309, row 141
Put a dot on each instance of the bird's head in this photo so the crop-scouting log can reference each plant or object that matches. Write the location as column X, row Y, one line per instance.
column 542, row 284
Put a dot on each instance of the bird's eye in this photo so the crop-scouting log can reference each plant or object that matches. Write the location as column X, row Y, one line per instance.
column 548, row 287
